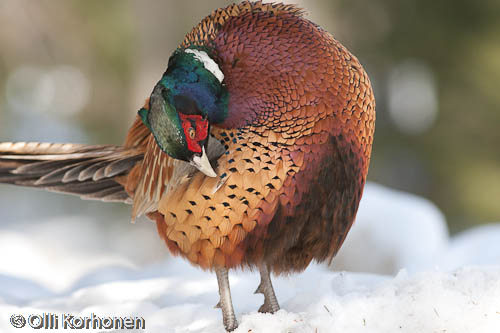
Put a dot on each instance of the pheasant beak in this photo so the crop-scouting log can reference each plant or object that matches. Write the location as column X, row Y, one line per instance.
column 203, row 164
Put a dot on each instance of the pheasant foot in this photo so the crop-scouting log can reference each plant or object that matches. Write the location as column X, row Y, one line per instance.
column 265, row 287
column 225, row 303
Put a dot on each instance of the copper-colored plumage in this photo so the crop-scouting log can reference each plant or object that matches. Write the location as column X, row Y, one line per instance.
column 293, row 155
column 297, row 163
column 298, row 140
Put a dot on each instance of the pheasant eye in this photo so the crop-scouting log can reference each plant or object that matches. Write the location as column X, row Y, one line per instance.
column 191, row 133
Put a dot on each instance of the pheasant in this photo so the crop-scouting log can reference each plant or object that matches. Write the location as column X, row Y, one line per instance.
column 251, row 152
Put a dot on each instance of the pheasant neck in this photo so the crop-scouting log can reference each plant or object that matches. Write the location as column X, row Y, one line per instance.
column 192, row 74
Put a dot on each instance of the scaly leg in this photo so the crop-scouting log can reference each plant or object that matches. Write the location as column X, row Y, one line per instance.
column 226, row 303
column 266, row 287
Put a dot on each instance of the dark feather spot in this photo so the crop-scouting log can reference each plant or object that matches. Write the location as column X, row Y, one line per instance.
column 189, row 211
column 225, row 204
column 206, row 197
column 192, row 203
column 232, row 187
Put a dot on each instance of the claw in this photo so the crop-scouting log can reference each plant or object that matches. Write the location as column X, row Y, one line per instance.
column 266, row 308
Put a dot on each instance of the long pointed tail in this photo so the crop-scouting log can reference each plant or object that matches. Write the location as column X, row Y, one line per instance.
column 92, row 172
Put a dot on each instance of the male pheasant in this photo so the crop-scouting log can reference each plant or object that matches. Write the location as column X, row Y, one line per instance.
column 252, row 150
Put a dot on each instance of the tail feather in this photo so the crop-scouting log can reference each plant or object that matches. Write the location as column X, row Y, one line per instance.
column 89, row 171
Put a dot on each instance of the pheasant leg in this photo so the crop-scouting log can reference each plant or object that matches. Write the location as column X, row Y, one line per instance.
column 225, row 302
column 266, row 287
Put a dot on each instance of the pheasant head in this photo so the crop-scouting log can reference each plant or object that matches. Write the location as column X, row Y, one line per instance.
column 188, row 98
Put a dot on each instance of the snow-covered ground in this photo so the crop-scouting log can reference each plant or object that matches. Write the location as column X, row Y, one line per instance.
column 398, row 271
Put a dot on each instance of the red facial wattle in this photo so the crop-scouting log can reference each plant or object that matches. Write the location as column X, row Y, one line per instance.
column 199, row 125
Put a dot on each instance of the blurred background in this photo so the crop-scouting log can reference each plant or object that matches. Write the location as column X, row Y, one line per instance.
column 77, row 71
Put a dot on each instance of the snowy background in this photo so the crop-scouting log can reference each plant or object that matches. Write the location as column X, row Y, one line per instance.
column 399, row 271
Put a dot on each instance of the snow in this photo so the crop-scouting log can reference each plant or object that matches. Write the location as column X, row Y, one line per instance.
column 401, row 272
column 393, row 230
column 478, row 246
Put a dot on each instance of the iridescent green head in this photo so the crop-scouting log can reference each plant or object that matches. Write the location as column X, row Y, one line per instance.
column 189, row 97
